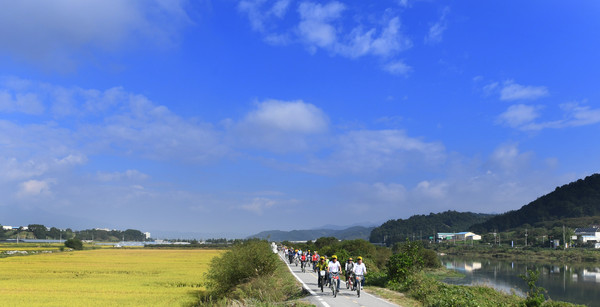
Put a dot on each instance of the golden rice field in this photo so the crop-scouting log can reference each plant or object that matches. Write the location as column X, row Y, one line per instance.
column 104, row 277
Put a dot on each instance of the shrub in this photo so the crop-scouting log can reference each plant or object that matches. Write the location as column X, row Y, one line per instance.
column 74, row 244
column 430, row 258
column 243, row 262
column 535, row 295
column 406, row 262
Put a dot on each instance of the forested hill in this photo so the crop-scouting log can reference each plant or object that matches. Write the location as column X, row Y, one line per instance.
column 577, row 199
column 357, row 232
column 424, row 226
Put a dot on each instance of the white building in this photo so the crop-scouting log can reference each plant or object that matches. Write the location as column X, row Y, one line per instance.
column 147, row 234
column 463, row 236
column 591, row 234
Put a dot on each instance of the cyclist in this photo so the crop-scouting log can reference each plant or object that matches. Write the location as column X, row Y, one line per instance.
column 321, row 266
column 303, row 260
column 334, row 267
column 360, row 270
column 315, row 260
column 291, row 255
column 348, row 268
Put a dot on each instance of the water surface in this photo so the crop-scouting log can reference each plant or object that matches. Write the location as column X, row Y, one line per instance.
column 577, row 282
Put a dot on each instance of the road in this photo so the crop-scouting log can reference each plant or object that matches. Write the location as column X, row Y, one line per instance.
column 326, row 299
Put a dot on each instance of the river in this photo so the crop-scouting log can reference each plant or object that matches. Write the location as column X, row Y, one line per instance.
column 576, row 283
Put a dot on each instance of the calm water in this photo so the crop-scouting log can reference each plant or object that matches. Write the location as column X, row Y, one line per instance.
column 576, row 283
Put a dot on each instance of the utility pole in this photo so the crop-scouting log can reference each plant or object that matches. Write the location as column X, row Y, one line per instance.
column 525, row 236
column 564, row 241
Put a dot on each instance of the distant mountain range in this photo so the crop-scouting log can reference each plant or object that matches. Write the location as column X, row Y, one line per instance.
column 575, row 204
column 354, row 232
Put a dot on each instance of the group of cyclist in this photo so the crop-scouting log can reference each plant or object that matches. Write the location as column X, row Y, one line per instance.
column 332, row 267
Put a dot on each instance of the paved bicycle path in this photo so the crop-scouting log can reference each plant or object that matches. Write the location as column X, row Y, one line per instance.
column 344, row 298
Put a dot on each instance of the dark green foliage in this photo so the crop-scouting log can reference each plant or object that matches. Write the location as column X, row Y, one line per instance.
column 394, row 231
column 74, row 244
column 574, row 200
column 110, row 235
column 239, row 265
column 39, row 231
column 406, row 262
column 535, row 295
column 430, row 258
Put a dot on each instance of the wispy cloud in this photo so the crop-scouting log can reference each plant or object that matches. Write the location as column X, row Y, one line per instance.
column 369, row 151
column 58, row 34
column 325, row 27
column 398, row 68
column 575, row 114
column 436, row 31
column 513, row 91
column 518, row 115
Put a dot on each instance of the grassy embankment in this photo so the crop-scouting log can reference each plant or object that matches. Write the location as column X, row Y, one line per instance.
column 105, row 277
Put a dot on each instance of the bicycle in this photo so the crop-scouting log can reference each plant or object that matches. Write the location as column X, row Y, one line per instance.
column 358, row 284
column 349, row 281
column 322, row 277
column 335, row 282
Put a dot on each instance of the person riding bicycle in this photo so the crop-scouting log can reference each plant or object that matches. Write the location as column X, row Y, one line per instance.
column 291, row 255
column 334, row 267
column 315, row 260
column 321, row 266
column 360, row 270
column 348, row 268
column 303, row 259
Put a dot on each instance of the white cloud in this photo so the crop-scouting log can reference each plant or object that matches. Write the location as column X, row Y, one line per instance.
column 436, row 190
column 56, row 34
column 507, row 158
column 315, row 28
column 398, row 68
column 294, row 116
column 259, row 204
column 32, row 188
column 324, row 27
column 518, row 115
column 372, row 151
column 281, row 125
column 575, row 114
column 437, row 30
column 280, row 8
column 27, row 103
column 514, row 91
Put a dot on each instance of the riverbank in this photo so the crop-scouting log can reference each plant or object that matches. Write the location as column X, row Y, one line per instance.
column 558, row 256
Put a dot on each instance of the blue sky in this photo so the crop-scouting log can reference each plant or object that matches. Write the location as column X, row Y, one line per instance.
column 233, row 117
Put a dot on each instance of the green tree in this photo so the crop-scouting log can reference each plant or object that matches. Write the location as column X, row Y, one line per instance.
column 39, row 231
column 74, row 244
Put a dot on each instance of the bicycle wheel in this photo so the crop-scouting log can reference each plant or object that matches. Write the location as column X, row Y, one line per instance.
column 333, row 287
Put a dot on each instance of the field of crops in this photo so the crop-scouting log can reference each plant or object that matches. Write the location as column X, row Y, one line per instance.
column 104, row 277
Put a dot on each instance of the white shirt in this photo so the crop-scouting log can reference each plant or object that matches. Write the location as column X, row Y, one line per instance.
column 359, row 269
column 334, row 267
